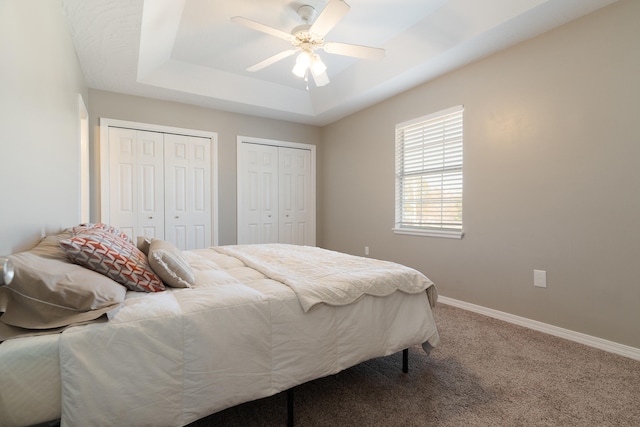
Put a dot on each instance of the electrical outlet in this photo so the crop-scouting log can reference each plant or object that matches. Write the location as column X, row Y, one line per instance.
column 366, row 251
column 540, row 278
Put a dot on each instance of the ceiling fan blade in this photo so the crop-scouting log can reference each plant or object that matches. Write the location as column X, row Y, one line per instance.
column 261, row 27
column 333, row 12
column 357, row 51
column 271, row 60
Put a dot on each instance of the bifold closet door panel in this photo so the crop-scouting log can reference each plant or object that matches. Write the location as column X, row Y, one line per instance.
column 295, row 207
column 258, row 194
column 187, row 174
column 136, row 182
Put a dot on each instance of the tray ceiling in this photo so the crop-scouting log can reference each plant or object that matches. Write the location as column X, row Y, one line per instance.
column 189, row 51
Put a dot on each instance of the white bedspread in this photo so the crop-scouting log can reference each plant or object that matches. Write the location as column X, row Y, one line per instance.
column 170, row 358
column 321, row 276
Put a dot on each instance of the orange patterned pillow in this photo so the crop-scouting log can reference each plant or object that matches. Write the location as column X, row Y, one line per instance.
column 83, row 227
column 108, row 253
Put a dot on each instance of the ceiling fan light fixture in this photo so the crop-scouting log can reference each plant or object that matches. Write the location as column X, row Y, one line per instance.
column 319, row 71
column 321, row 79
column 302, row 64
column 317, row 66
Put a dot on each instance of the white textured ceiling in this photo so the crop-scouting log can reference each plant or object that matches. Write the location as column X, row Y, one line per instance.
column 189, row 50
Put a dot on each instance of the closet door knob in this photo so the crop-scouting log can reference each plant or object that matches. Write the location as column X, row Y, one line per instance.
column 177, row 217
column 150, row 217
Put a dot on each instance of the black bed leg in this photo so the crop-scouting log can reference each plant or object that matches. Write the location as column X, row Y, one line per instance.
column 290, row 407
column 405, row 360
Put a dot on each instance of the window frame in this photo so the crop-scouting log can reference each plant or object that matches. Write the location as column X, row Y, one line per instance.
column 450, row 165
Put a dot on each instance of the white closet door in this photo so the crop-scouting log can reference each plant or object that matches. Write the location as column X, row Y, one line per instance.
column 136, row 182
column 188, row 191
column 295, row 213
column 258, row 191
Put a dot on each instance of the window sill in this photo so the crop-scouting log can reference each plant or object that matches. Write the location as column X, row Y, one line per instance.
column 448, row 234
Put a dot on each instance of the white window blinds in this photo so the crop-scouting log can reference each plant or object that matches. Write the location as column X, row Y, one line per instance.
column 429, row 175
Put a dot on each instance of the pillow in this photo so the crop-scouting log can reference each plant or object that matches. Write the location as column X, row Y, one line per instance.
column 113, row 256
column 48, row 292
column 49, row 246
column 101, row 226
column 167, row 261
column 143, row 244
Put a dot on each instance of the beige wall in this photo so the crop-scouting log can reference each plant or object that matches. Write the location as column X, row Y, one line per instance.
column 40, row 81
column 552, row 178
column 228, row 126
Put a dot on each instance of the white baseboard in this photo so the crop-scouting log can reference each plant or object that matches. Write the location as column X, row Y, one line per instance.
column 610, row 346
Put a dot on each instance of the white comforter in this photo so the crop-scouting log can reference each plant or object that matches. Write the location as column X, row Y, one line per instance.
column 168, row 359
column 319, row 276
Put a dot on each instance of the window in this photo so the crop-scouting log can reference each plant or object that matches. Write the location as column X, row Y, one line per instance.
column 429, row 175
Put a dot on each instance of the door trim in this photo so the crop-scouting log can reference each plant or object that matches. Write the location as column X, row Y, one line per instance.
column 85, row 161
column 287, row 144
column 106, row 123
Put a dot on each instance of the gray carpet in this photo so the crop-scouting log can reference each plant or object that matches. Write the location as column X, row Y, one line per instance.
column 484, row 373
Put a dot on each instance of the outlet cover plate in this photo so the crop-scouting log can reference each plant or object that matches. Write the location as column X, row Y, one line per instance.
column 540, row 278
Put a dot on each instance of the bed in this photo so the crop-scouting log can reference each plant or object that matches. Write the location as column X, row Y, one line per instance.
column 246, row 322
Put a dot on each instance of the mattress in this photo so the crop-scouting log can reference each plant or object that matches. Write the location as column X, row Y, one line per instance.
column 30, row 378
column 170, row 358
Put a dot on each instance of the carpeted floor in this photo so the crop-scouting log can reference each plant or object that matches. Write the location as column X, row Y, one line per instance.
column 484, row 373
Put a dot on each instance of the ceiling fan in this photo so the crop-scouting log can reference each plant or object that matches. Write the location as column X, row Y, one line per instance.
column 309, row 37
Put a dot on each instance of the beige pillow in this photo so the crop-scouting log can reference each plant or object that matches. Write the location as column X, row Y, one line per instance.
column 49, row 247
column 50, row 292
column 143, row 244
column 167, row 262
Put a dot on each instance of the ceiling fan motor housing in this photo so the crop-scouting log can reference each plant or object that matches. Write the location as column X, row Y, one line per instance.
column 303, row 38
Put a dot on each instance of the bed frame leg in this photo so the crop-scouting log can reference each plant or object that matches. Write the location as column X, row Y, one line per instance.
column 405, row 369
column 290, row 407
